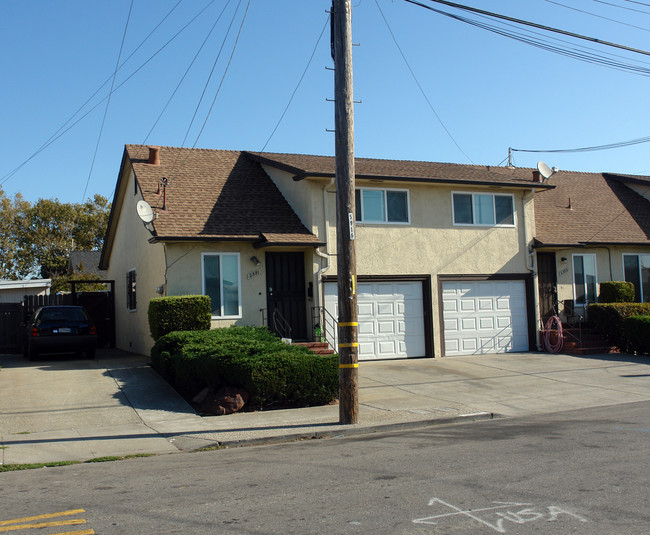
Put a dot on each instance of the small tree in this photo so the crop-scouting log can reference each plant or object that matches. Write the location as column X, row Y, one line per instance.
column 179, row 313
column 616, row 292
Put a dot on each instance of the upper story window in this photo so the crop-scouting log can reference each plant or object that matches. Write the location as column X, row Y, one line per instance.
column 637, row 271
column 375, row 205
column 130, row 290
column 486, row 209
column 222, row 283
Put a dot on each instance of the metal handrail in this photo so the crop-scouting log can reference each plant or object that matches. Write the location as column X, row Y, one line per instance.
column 280, row 324
column 328, row 326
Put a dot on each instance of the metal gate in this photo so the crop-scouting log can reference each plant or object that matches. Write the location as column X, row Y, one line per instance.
column 10, row 318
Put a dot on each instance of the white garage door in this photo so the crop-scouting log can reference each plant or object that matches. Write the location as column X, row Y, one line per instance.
column 484, row 317
column 391, row 318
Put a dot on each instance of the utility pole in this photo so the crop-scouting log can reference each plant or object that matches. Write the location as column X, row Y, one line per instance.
column 345, row 213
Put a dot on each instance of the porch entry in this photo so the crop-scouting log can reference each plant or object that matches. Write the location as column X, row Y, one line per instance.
column 547, row 282
column 285, row 294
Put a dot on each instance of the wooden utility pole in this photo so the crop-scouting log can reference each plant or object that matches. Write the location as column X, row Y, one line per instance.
column 345, row 212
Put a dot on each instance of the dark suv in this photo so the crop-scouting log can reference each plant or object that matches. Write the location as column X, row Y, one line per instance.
column 60, row 329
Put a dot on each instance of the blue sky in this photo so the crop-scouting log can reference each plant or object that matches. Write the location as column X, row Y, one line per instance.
column 490, row 92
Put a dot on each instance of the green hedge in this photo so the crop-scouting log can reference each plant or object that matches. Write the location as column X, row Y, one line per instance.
column 636, row 330
column 608, row 318
column 616, row 292
column 178, row 313
column 273, row 373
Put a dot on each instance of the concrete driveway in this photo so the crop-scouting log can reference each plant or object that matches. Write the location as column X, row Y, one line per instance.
column 75, row 409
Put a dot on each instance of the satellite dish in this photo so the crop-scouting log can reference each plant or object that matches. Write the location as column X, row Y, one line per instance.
column 545, row 170
column 145, row 212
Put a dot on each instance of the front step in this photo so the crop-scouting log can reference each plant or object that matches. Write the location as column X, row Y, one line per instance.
column 320, row 348
column 585, row 341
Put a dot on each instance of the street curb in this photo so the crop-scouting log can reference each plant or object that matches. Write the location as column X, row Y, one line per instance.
column 342, row 431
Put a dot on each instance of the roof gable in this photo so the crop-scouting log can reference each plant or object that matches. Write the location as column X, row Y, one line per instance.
column 215, row 195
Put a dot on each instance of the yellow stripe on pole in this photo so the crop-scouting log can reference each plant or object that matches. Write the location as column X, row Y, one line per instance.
column 349, row 324
column 345, row 366
column 352, row 344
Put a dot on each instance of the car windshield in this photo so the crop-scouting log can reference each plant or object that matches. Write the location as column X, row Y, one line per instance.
column 62, row 314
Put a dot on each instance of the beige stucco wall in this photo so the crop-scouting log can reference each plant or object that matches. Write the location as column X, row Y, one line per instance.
column 429, row 244
column 133, row 251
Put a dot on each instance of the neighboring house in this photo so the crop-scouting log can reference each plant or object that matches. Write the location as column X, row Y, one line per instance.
column 445, row 257
column 591, row 228
column 86, row 262
column 15, row 291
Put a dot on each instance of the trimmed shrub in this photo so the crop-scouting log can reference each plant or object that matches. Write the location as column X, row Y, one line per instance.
column 616, row 292
column 178, row 313
column 636, row 330
column 273, row 373
column 607, row 318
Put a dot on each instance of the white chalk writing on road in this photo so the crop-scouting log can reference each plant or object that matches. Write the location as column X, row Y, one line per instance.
column 496, row 515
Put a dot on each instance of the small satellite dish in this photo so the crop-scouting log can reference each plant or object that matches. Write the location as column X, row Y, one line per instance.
column 545, row 170
column 145, row 212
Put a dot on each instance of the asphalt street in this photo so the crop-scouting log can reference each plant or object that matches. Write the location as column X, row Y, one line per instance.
column 580, row 472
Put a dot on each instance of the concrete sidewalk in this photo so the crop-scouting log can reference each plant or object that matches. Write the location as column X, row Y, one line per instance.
column 67, row 409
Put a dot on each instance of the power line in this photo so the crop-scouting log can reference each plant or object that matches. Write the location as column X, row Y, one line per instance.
column 584, row 55
column 598, row 16
column 590, row 149
column 628, row 8
column 327, row 22
column 62, row 130
column 532, row 24
column 419, row 85
column 186, row 71
column 108, row 101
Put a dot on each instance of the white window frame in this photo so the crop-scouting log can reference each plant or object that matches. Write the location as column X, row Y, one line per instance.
column 360, row 217
column 221, row 305
column 573, row 279
column 637, row 255
column 493, row 195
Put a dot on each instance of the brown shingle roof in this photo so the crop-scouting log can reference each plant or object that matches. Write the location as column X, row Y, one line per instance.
column 216, row 195
column 591, row 208
column 301, row 166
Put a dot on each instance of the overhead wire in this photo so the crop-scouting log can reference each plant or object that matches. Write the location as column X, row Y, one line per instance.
column 585, row 55
column 590, row 149
column 304, row 72
column 417, row 82
column 627, row 8
column 598, row 16
column 63, row 130
column 108, row 101
column 187, row 71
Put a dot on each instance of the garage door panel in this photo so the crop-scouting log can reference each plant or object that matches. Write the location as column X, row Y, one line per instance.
column 390, row 316
column 484, row 317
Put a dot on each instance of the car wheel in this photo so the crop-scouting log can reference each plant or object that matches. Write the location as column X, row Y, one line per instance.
column 90, row 353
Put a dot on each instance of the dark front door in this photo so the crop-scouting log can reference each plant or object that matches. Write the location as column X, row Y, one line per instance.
column 547, row 280
column 285, row 295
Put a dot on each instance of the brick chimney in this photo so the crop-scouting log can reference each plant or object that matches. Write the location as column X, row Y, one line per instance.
column 154, row 155
column 537, row 176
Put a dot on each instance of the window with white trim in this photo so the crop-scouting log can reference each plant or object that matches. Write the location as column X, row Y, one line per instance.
column 374, row 205
column 130, row 290
column 585, row 279
column 485, row 209
column 637, row 271
column 222, row 283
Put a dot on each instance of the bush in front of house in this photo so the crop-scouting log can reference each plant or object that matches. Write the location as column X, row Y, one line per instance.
column 636, row 330
column 178, row 313
column 274, row 374
column 616, row 292
column 608, row 318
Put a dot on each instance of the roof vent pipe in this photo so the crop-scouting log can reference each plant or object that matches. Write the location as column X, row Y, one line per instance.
column 154, row 155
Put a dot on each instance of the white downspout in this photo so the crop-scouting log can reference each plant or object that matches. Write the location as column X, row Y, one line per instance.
column 326, row 254
column 531, row 264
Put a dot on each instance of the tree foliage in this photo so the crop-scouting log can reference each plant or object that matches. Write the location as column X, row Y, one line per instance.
column 36, row 240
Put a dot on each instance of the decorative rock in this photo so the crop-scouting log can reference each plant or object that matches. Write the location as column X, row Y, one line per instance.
column 226, row 400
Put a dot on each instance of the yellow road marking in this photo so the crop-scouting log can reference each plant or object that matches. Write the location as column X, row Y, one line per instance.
column 80, row 532
column 44, row 525
column 41, row 517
